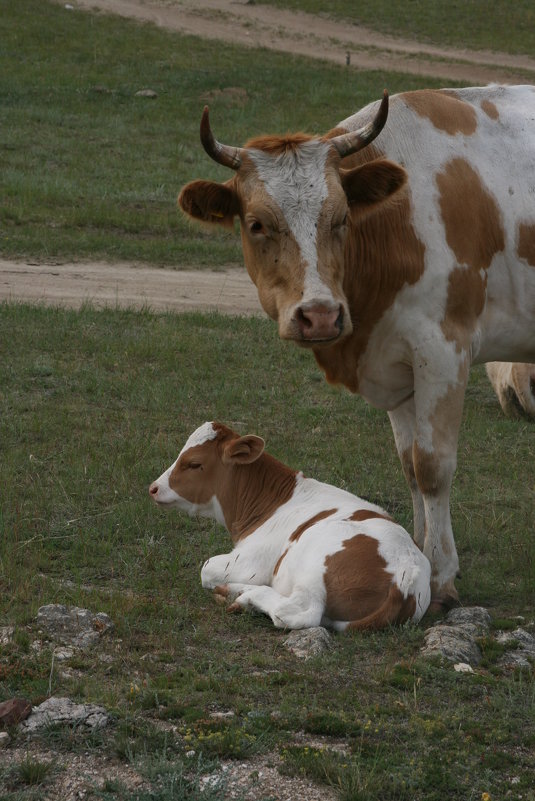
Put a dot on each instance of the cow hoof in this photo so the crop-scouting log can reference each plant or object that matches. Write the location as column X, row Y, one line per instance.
column 235, row 607
column 442, row 604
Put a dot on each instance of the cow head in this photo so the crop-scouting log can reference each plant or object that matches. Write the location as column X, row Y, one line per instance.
column 296, row 205
column 201, row 479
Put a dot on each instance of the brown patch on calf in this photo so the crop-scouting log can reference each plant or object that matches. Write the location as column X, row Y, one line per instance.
column 356, row 579
column 472, row 219
column 279, row 560
column 526, row 242
column 313, row 520
column 445, row 111
column 367, row 514
column 490, row 110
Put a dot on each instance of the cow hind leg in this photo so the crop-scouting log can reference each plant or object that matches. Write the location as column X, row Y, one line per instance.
column 297, row 611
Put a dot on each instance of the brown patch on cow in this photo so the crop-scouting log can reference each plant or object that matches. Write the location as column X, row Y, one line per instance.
column 279, row 560
column 526, row 242
column 445, row 111
column 313, row 520
column 464, row 304
column 359, row 588
column 278, row 145
column 426, row 469
column 383, row 255
column 471, row 216
column 490, row 110
column 367, row 514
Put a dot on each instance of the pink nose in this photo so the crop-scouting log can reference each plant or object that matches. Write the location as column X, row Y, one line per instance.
column 320, row 322
column 153, row 489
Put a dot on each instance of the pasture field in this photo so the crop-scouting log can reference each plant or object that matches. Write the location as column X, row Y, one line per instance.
column 475, row 24
column 93, row 406
column 90, row 170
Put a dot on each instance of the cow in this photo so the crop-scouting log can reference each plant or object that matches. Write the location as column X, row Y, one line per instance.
column 400, row 260
column 514, row 385
column 305, row 553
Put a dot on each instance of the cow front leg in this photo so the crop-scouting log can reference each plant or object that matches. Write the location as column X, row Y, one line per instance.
column 438, row 417
column 403, row 421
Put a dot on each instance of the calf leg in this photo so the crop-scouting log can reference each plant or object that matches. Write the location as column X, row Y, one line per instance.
column 229, row 568
column 298, row 611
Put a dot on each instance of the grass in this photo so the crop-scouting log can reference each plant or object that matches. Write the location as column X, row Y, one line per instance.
column 90, row 170
column 93, row 406
column 474, row 24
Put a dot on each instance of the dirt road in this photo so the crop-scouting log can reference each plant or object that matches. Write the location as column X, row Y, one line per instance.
column 230, row 290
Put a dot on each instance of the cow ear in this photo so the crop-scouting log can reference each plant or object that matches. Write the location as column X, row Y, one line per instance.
column 209, row 202
column 243, row 450
column 373, row 183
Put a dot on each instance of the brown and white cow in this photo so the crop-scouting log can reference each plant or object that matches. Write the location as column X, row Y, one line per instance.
column 398, row 263
column 514, row 385
column 305, row 553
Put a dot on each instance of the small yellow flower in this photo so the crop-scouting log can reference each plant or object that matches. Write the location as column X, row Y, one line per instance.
column 485, row 796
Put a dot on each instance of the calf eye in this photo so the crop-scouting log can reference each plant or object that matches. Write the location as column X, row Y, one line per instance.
column 256, row 227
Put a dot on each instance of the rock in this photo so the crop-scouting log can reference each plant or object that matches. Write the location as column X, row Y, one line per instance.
column 6, row 634
column 463, row 667
column 305, row 643
column 5, row 739
column 474, row 615
column 455, row 638
column 521, row 656
column 72, row 625
column 147, row 93
column 14, row 710
column 66, row 712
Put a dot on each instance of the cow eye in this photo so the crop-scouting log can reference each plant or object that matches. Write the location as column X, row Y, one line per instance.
column 256, row 227
column 195, row 466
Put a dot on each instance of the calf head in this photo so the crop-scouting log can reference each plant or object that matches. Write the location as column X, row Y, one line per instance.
column 200, row 481
column 296, row 205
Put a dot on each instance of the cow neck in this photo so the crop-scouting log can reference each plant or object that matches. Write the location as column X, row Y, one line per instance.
column 383, row 254
column 254, row 492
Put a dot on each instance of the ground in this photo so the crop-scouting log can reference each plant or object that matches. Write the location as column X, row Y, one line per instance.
column 229, row 289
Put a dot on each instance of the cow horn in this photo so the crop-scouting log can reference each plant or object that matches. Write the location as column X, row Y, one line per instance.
column 355, row 140
column 223, row 154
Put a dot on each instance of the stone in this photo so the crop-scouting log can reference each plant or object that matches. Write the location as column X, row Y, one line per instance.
column 305, row 643
column 523, row 655
column 455, row 638
column 14, row 711
column 147, row 93
column 463, row 667
column 65, row 712
column 5, row 739
column 72, row 625
column 6, row 634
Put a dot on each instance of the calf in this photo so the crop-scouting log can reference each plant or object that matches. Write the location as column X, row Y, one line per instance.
column 305, row 553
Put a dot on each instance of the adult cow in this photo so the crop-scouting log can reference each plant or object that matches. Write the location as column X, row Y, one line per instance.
column 398, row 264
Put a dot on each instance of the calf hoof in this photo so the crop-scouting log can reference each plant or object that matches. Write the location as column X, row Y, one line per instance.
column 235, row 607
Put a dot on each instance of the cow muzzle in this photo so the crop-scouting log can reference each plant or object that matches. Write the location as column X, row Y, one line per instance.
column 319, row 322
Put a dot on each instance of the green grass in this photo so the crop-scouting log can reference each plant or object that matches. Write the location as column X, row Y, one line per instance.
column 93, row 406
column 475, row 24
column 87, row 169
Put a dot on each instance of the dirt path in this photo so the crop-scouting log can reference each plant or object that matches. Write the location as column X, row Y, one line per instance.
column 258, row 25
column 229, row 290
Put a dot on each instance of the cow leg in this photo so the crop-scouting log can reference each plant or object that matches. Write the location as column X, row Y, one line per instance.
column 403, row 421
column 439, row 409
column 297, row 611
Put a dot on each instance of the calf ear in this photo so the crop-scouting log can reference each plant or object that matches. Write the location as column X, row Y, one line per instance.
column 209, row 202
column 373, row 183
column 243, row 450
